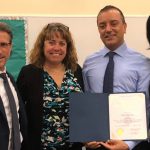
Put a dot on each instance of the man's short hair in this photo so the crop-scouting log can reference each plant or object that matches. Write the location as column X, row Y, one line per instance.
column 5, row 28
column 148, row 29
column 109, row 7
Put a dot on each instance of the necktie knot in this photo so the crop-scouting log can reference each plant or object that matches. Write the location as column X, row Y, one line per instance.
column 3, row 76
column 111, row 54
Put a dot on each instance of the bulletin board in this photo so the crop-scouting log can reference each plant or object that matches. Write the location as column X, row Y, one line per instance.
column 18, row 52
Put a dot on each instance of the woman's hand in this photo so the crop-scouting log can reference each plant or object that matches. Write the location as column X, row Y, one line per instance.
column 92, row 145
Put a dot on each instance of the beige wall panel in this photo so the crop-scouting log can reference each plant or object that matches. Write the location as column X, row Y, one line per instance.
column 70, row 7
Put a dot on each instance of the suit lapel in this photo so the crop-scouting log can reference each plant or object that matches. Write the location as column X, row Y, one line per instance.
column 2, row 110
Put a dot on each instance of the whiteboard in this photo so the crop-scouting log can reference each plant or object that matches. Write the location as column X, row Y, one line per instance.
column 85, row 33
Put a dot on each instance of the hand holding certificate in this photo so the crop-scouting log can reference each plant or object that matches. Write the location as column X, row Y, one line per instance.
column 101, row 117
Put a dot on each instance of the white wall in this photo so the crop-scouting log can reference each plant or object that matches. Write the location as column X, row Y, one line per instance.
column 86, row 36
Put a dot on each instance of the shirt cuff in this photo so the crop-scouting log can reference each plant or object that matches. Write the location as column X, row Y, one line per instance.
column 132, row 144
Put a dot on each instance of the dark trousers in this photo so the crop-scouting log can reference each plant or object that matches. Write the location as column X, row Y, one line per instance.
column 144, row 145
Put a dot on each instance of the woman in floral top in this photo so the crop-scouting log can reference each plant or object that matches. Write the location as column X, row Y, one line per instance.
column 45, row 85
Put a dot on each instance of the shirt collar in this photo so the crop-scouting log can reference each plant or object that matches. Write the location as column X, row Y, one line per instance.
column 121, row 50
column 4, row 71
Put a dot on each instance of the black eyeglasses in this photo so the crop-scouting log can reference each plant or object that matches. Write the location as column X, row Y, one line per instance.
column 4, row 44
column 58, row 25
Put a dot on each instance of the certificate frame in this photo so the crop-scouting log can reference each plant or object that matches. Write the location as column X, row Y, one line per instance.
column 90, row 116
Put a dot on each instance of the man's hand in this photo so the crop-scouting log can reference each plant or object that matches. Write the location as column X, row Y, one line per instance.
column 115, row 145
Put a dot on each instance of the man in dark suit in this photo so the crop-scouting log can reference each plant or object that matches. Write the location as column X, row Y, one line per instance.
column 10, row 105
column 145, row 145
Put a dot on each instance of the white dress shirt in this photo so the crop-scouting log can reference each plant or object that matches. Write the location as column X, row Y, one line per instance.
column 5, row 101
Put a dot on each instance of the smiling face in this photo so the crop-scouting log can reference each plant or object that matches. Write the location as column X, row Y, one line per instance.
column 5, row 49
column 111, row 28
column 55, row 49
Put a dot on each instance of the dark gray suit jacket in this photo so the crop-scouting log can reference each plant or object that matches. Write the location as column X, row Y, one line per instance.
column 4, row 129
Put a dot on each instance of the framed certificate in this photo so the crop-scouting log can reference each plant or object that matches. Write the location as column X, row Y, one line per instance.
column 99, row 117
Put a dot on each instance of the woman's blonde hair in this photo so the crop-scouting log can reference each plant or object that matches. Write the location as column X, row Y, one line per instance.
column 37, row 57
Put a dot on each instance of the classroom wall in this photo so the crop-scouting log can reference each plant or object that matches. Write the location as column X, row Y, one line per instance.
column 70, row 7
column 85, row 33
column 61, row 10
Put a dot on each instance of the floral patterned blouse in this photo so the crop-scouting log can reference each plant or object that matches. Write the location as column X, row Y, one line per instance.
column 55, row 123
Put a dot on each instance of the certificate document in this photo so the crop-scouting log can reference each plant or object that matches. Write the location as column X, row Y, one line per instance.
column 102, row 116
column 127, row 116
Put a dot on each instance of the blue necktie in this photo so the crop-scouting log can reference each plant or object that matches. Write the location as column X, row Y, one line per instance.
column 16, row 143
column 109, row 75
